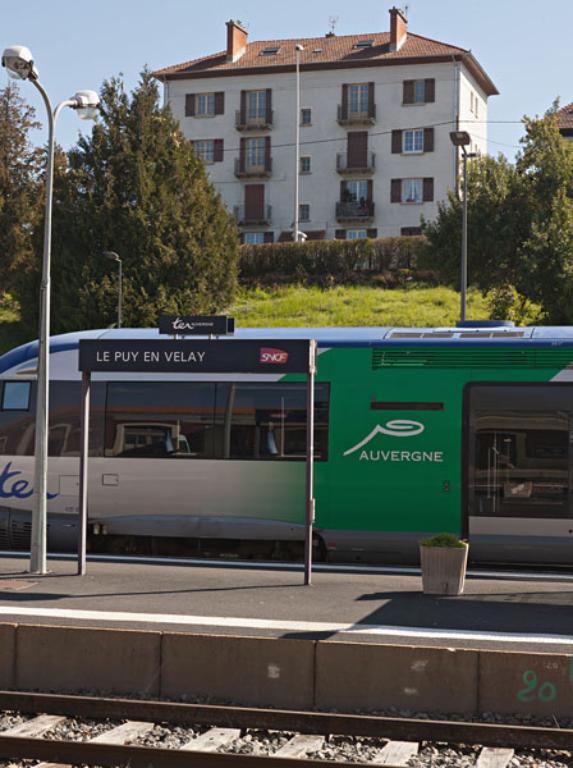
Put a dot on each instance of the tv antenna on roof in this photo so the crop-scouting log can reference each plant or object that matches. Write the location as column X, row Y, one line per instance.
column 332, row 21
column 405, row 9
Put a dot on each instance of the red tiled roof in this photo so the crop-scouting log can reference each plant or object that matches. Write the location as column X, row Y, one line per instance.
column 326, row 52
column 565, row 117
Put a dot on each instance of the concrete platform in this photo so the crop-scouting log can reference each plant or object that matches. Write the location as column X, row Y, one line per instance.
column 507, row 611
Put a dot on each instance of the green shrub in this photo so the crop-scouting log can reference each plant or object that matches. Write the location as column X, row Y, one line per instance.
column 330, row 262
column 444, row 540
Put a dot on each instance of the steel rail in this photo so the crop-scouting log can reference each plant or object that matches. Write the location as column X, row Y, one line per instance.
column 320, row 723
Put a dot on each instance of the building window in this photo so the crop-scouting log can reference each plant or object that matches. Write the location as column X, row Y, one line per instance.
column 412, row 190
column 204, row 104
column 304, row 212
column 356, row 191
column 16, row 396
column 253, row 238
column 255, row 152
column 358, row 99
column 256, row 105
column 204, row 149
column 411, row 231
column 476, row 106
column 305, row 116
column 356, row 234
column 413, row 141
column 305, row 164
column 419, row 91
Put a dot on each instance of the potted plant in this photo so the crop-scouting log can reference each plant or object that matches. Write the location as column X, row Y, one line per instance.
column 444, row 559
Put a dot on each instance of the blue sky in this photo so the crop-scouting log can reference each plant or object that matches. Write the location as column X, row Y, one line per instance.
column 525, row 49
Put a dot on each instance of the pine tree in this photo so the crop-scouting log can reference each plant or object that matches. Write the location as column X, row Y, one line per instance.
column 20, row 201
column 134, row 187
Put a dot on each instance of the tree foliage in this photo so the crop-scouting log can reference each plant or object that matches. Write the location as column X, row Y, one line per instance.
column 20, row 202
column 134, row 187
column 520, row 226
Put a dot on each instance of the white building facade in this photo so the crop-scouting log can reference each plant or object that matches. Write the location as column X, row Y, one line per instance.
column 375, row 116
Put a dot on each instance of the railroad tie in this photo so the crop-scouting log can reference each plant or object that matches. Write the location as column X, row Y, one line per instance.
column 396, row 753
column 123, row 734
column 491, row 757
column 212, row 740
column 300, row 745
column 35, row 727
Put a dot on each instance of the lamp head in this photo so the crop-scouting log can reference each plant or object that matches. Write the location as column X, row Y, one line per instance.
column 299, row 47
column 86, row 104
column 19, row 63
column 460, row 138
column 111, row 255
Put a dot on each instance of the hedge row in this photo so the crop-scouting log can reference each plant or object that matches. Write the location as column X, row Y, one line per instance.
column 336, row 261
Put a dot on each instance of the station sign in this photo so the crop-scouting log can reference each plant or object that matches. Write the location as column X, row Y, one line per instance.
column 196, row 325
column 269, row 356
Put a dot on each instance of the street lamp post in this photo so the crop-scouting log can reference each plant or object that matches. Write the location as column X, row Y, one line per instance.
column 298, row 48
column 113, row 256
column 463, row 139
column 19, row 63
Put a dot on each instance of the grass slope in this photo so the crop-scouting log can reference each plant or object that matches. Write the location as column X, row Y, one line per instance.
column 353, row 306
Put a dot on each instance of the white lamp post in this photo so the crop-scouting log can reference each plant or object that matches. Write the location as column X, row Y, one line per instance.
column 298, row 48
column 19, row 63
column 113, row 256
column 463, row 139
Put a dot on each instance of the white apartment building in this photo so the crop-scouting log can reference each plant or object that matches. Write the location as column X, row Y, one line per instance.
column 376, row 111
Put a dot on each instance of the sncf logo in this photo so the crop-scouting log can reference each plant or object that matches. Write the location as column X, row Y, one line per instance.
column 273, row 356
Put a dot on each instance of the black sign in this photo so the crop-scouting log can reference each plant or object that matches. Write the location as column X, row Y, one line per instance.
column 196, row 325
column 216, row 356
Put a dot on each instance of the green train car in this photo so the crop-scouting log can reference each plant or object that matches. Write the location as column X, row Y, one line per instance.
column 418, row 431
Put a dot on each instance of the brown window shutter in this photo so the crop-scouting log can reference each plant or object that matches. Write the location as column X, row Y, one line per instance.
column 372, row 233
column 371, row 104
column 269, row 237
column 396, row 142
column 357, row 149
column 254, row 201
column 189, row 105
column 243, row 108
column 428, row 139
column 340, row 234
column 267, row 153
column 269, row 107
column 344, row 105
column 428, row 190
column 370, row 190
column 411, row 231
column 242, row 154
column 342, row 191
column 408, row 92
column 285, row 237
column 220, row 103
column 430, row 90
column 396, row 191
column 241, row 238
column 218, row 151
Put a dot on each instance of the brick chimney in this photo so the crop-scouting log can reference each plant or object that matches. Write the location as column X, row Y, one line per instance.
column 236, row 40
column 398, row 28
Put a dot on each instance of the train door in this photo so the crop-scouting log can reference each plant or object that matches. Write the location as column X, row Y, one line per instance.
column 519, row 488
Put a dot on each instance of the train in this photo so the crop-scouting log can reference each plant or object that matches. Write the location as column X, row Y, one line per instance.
column 418, row 431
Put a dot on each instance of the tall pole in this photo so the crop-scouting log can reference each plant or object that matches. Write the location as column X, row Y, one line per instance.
column 464, row 266
column 120, row 295
column 310, row 502
column 38, row 543
column 298, row 49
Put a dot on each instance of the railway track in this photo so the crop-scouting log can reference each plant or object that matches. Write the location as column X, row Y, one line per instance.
column 137, row 733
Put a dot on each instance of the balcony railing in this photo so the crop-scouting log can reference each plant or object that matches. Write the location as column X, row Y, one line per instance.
column 363, row 165
column 245, row 123
column 251, row 215
column 347, row 117
column 246, row 170
column 355, row 211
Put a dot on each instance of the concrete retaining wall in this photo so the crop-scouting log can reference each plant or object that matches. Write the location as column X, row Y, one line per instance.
column 283, row 672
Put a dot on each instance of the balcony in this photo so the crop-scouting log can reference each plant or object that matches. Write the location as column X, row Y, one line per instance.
column 360, row 166
column 258, row 123
column 362, row 211
column 347, row 117
column 245, row 170
column 252, row 216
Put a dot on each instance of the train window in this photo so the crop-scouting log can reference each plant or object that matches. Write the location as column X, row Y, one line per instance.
column 16, row 396
column 268, row 421
column 160, row 420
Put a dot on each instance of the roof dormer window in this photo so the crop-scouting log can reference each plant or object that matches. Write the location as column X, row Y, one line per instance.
column 271, row 51
column 364, row 44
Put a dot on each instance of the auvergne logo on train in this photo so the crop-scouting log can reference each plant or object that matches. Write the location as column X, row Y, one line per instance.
column 395, row 428
column 273, row 356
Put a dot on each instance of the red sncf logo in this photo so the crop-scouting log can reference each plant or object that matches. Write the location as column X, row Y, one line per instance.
column 273, row 356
